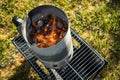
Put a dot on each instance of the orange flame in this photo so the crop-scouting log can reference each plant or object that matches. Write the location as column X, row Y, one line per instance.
column 50, row 35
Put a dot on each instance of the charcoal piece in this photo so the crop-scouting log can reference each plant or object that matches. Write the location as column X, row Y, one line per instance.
column 51, row 27
column 34, row 25
column 32, row 30
column 64, row 29
column 55, row 35
column 43, row 45
column 39, row 30
column 40, row 23
column 47, row 25
column 61, row 35
column 59, row 25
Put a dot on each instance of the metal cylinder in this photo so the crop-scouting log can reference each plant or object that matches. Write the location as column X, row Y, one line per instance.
column 54, row 56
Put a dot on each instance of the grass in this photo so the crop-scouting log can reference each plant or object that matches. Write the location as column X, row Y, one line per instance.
column 96, row 21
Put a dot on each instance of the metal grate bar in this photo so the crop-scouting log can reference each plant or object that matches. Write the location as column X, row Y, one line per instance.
column 71, row 61
column 69, row 75
column 89, row 64
column 74, row 70
column 84, row 64
column 33, row 59
column 22, row 45
column 74, row 49
column 80, row 58
column 26, row 50
column 75, row 66
column 75, row 56
column 93, row 61
column 28, row 54
column 20, row 41
column 73, row 76
column 66, row 72
column 80, row 49
column 80, row 67
column 93, row 68
column 70, row 71
column 77, row 49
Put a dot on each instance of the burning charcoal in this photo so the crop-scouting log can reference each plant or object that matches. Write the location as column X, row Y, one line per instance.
column 54, row 21
column 59, row 25
column 43, row 45
column 48, row 32
column 39, row 44
column 50, row 44
column 51, row 27
column 40, row 23
column 56, row 35
column 45, row 30
column 61, row 35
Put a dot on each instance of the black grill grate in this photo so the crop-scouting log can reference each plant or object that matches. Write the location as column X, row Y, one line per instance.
column 85, row 62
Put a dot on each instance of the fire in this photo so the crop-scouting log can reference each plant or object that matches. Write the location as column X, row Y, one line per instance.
column 51, row 33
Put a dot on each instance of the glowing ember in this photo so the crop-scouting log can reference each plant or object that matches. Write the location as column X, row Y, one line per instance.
column 49, row 32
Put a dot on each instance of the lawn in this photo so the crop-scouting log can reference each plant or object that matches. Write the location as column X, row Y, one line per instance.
column 96, row 21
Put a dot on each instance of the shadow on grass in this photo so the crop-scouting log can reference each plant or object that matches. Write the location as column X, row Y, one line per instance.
column 1, row 49
column 115, row 34
column 114, row 4
column 115, row 52
column 22, row 72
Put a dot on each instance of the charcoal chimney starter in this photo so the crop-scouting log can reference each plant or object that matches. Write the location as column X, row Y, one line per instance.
column 57, row 54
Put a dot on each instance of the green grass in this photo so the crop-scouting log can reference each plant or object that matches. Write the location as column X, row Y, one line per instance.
column 96, row 21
